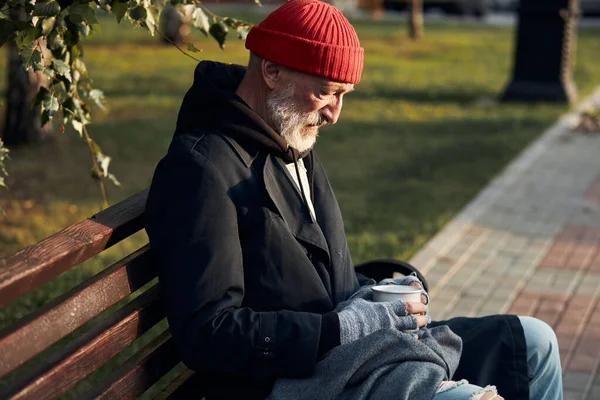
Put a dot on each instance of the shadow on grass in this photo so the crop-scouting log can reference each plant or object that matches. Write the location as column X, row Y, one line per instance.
column 433, row 95
column 134, row 85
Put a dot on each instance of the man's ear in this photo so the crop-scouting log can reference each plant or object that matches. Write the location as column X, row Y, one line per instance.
column 271, row 73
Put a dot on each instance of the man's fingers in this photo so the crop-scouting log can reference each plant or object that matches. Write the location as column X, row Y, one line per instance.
column 415, row 308
column 421, row 320
column 423, row 297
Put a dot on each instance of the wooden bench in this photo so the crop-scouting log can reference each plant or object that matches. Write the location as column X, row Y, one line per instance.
column 47, row 353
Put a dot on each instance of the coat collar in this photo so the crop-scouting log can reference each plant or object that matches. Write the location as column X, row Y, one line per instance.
column 245, row 151
column 289, row 204
column 284, row 195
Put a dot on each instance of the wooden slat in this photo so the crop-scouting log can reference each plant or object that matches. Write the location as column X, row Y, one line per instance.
column 194, row 387
column 140, row 372
column 80, row 357
column 35, row 265
column 169, row 391
column 63, row 315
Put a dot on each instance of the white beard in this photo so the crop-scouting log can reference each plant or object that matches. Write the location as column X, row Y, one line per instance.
column 290, row 122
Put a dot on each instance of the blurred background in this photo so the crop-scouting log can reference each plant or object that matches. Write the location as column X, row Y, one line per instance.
column 425, row 130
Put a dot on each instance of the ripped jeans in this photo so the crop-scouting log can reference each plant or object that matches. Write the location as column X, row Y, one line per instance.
column 543, row 362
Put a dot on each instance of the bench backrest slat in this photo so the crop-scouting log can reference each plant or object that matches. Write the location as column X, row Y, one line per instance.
column 72, row 309
column 35, row 265
column 140, row 372
column 170, row 392
column 80, row 357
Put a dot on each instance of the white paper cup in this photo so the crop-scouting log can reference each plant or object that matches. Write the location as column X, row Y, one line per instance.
column 397, row 292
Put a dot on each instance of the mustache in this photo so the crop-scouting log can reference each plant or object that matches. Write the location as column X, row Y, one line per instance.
column 316, row 119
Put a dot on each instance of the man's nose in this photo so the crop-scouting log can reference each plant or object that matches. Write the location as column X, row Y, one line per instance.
column 332, row 111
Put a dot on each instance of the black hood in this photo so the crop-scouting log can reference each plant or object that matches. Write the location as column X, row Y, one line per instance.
column 211, row 104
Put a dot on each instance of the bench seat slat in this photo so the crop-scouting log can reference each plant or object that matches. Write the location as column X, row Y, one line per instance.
column 140, row 372
column 80, row 357
column 35, row 265
column 58, row 318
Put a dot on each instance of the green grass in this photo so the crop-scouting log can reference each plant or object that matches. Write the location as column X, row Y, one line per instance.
column 414, row 143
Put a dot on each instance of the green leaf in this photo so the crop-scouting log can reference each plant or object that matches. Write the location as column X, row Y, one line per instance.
column 60, row 90
column 95, row 173
column 30, row 55
column 50, row 103
column 103, row 162
column 119, row 9
column 150, row 21
column 113, row 179
column 72, row 34
column 44, row 118
column 42, row 95
column 85, row 112
column 192, row 48
column 7, row 31
column 79, row 65
column 95, row 148
column 49, row 73
column 242, row 32
column 47, row 25
column 61, row 68
column 137, row 13
column 55, row 41
column 27, row 33
column 84, row 29
column 46, row 8
column 82, row 12
column 78, row 126
column 61, row 26
column 231, row 22
column 200, row 20
column 219, row 32
column 98, row 97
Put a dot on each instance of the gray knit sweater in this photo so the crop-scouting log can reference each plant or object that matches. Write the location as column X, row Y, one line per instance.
column 387, row 364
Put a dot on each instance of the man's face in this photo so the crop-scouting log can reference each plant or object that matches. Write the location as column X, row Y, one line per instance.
column 302, row 103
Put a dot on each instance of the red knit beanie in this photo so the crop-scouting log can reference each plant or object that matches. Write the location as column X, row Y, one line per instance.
column 309, row 36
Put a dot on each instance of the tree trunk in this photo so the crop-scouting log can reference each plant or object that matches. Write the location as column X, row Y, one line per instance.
column 415, row 24
column 22, row 122
column 377, row 12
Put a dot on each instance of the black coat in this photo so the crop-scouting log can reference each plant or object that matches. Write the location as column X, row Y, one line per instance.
column 245, row 273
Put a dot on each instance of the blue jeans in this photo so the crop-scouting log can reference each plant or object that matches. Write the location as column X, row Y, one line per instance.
column 543, row 361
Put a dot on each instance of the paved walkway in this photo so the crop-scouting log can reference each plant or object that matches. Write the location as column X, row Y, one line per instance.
column 529, row 244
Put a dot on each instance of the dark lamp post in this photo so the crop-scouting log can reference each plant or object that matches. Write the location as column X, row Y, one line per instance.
column 545, row 46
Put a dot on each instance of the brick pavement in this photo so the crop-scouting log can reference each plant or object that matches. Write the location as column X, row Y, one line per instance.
column 529, row 244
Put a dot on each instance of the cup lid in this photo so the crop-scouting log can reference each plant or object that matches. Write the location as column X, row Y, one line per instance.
column 397, row 289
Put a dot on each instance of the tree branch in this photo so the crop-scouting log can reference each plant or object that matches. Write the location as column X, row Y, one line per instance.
column 88, row 139
column 176, row 45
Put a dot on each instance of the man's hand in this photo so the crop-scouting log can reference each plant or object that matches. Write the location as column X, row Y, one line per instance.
column 423, row 297
column 416, row 284
column 361, row 317
column 418, row 310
